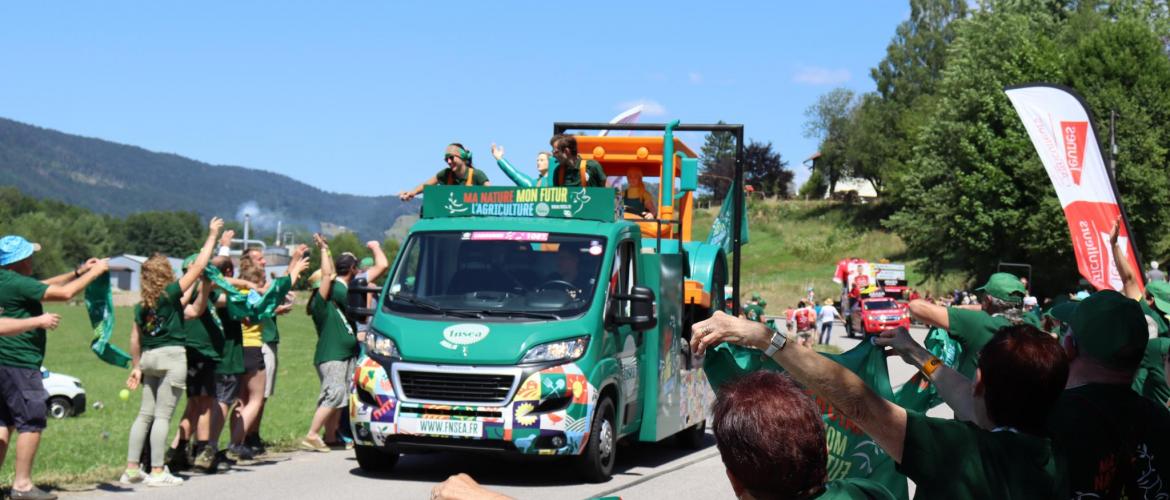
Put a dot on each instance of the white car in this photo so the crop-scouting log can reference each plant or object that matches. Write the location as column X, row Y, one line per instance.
column 66, row 395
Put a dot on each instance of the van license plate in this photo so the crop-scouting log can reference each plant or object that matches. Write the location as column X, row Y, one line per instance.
column 436, row 427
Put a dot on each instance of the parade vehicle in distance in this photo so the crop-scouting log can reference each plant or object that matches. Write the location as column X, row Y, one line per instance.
column 878, row 314
column 542, row 321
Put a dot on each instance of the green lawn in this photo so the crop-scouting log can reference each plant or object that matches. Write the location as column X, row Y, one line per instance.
column 91, row 447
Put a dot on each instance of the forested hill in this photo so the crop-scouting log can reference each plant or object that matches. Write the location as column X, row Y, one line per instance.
column 118, row 179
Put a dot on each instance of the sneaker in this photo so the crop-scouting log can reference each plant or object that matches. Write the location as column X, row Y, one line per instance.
column 205, row 461
column 314, row 443
column 132, row 476
column 222, row 457
column 242, row 453
column 164, row 478
column 257, row 450
column 32, row 494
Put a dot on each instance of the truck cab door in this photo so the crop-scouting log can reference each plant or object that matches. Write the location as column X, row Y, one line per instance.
column 628, row 340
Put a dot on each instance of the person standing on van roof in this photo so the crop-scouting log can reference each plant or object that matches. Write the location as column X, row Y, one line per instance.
column 520, row 178
column 571, row 169
column 459, row 172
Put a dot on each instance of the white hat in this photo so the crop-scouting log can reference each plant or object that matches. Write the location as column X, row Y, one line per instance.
column 1030, row 301
column 1153, row 264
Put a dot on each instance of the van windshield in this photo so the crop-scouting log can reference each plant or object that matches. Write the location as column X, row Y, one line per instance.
column 879, row 305
column 488, row 273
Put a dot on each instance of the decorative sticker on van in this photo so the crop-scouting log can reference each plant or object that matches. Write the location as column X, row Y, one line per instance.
column 505, row 236
column 463, row 335
column 495, row 201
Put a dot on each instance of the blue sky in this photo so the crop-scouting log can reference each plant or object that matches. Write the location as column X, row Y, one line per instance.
column 361, row 97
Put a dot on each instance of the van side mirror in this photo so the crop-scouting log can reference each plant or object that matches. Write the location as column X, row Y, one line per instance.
column 641, row 316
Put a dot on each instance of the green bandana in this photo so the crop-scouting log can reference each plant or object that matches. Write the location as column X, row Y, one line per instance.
column 99, row 302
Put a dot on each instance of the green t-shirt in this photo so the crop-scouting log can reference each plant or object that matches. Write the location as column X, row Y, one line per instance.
column 973, row 330
column 1150, row 379
column 269, row 334
column 449, row 177
column 205, row 336
column 232, row 362
column 20, row 298
column 753, row 312
column 162, row 326
column 572, row 175
column 855, row 488
column 957, row 460
column 335, row 337
column 1115, row 443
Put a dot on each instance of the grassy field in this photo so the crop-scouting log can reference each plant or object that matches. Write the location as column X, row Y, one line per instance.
column 91, row 447
column 796, row 244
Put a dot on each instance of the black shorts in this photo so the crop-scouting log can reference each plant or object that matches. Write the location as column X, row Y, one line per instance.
column 253, row 359
column 200, row 376
column 227, row 388
column 23, row 399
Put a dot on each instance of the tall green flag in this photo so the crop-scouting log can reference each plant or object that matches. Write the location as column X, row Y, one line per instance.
column 723, row 226
column 99, row 303
column 852, row 453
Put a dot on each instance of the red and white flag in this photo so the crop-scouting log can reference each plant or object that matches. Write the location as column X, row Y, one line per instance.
column 1058, row 123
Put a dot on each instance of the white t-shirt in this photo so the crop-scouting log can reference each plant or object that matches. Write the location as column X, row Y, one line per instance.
column 828, row 313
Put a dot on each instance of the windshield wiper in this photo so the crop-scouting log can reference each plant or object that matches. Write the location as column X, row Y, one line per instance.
column 430, row 306
column 513, row 314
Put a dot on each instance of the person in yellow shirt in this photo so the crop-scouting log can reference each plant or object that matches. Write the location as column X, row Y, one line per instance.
column 254, row 377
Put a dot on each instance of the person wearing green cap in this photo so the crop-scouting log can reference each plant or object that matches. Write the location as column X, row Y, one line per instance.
column 1116, row 443
column 1002, row 302
column 753, row 311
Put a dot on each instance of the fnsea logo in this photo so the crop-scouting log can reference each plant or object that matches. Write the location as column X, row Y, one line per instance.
column 1074, row 134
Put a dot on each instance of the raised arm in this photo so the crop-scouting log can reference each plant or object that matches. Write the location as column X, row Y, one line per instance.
column 954, row 388
column 328, row 274
column 381, row 263
column 196, row 270
column 884, row 421
column 198, row 306
column 1131, row 284
column 297, row 265
column 930, row 314
column 65, row 292
column 409, row 195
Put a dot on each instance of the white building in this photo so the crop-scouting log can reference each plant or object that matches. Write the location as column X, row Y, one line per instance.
column 126, row 271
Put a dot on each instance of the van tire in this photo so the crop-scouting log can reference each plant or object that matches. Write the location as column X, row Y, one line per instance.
column 374, row 460
column 60, row 407
column 693, row 437
column 596, row 461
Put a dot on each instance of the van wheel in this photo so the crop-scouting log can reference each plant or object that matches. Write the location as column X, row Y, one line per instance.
column 694, row 437
column 596, row 462
column 375, row 460
column 60, row 407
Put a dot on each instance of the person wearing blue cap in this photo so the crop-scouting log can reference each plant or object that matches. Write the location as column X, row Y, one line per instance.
column 22, row 395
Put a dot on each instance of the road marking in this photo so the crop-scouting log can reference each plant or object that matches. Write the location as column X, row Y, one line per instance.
column 643, row 479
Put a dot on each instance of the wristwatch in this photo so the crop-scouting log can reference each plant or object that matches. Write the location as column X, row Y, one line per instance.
column 779, row 340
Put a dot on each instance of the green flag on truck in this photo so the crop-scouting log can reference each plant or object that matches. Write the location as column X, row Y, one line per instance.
column 722, row 228
column 852, row 453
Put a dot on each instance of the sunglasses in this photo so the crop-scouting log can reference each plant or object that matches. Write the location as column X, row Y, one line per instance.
column 449, row 157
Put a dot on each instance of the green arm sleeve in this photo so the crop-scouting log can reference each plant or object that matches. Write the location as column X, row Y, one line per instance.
column 517, row 176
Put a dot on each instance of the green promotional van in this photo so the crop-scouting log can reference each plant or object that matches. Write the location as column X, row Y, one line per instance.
column 543, row 321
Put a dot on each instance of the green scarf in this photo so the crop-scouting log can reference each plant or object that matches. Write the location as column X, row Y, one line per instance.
column 99, row 302
column 251, row 305
column 852, row 453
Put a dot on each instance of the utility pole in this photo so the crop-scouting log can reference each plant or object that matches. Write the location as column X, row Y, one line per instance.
column 1112, row 144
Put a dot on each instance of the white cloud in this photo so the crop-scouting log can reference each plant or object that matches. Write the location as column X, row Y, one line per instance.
column 695, row 77
column 649, row 107
column 815, row 75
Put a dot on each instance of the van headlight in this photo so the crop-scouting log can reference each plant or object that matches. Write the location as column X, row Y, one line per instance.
column 561, row 350
column 379, row 345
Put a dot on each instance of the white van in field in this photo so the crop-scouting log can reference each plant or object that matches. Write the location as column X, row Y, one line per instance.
column 66, row 395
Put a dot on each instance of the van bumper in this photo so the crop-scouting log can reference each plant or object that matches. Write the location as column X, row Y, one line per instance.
column 548, row 413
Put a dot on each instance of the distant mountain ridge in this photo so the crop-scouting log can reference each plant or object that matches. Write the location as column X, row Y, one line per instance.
column 120, row 179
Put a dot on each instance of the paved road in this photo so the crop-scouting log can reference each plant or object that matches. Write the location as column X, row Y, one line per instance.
column 650, row 471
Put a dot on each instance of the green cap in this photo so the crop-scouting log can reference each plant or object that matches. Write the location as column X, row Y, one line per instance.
column 755, row 296
column 1160, row 290
column 763, row 303
column 1005, row 287
column 1062, row 312
column 366, row 263
column 1111, row 328
column 189, row 260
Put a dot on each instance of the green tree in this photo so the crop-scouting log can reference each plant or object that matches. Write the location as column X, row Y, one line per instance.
column 176, row 234
column 828, row 121
column 813, row 187
column 764, row 169
column 717, row 157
